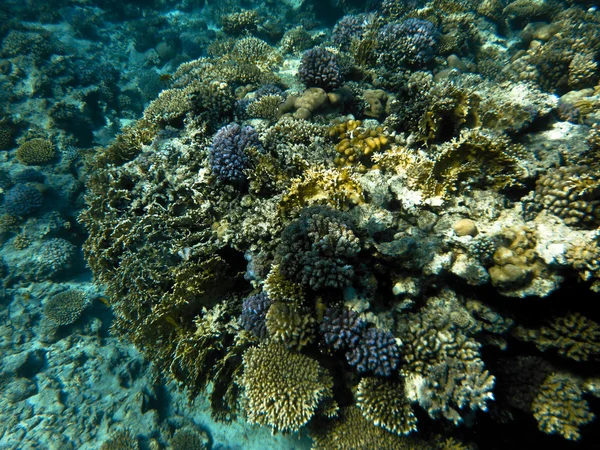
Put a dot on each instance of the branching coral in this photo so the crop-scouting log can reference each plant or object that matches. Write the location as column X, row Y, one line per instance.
column 573, row 336
column 283, row 389
column 319, row 249
column 383, row 402
column 560, row 408
column 35, row 152
column 352, row 431
column 291, row 326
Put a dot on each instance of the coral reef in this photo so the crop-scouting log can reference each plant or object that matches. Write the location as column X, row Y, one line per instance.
column 23, row 200
column 254, row 312
column 571, row 193
column 410, row 43
column 383, row 402
column 560, row 408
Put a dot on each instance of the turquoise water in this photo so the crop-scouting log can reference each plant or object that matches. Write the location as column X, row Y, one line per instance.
column 299, row 224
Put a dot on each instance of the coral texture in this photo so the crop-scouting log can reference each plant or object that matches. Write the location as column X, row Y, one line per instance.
column 319, row 68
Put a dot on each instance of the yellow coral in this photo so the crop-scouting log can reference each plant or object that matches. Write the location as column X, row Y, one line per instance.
column 36, row 151
column 283, row 389
column 384, row 403
column 290, row 326
column 320, row 186
column 280, row 289
column 352, row 431
column 357, row 143
column 560, row 408
column 574, row 336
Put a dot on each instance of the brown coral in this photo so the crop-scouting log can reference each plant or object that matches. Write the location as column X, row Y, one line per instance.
column 560, row 408
column 382, row 401
column 283, row 389
column 291, row 326
column 36, row 151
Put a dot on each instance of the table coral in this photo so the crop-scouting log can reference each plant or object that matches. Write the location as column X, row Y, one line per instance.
column 65, row 307
column 282, row 389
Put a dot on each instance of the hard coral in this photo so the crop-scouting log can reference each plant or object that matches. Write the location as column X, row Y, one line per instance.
column 352, row 431
column 22, row 200
column 291, row 326
column 254, row 312
column 560, row 408
column 383, row 402
column 411, row 43
column 376, row 352
column 342, row 328
column 319, row 249
column 572, row 193
column 229, row 157
column 35, row 152
column 65, row 307
column 283, row 389
column 319, row 68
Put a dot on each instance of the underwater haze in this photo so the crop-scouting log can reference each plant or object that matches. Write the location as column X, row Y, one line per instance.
column 299, row 224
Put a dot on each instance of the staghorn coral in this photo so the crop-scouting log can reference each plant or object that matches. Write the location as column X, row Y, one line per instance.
column 65, row 307
column 36, row 152
column 382, row 402
column 571, row 193
column 573, row 336
column 291, row 326
column 318, row 249
column 559, row 407
column 319, row 68
column 283, row 389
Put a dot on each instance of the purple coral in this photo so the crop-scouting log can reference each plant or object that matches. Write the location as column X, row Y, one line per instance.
column 348, row 29
column 319, row 68
column 369, row 350
column 228, row 158
column 411, row 43
column 342, row 328
column 376, row 352
column 22, row 200
column 254, row 312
